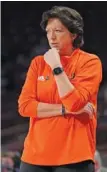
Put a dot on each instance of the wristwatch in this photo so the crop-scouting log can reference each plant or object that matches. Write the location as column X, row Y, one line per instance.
column 57, row 70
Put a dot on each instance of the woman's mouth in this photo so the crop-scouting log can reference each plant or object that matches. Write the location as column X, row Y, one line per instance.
column 54, row 45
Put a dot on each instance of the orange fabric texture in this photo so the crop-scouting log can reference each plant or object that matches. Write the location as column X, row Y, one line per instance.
column 62, row 139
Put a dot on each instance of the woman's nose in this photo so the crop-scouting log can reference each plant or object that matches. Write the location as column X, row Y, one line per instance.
column 53, row 36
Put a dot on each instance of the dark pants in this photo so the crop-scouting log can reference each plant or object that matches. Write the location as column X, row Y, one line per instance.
column 86, row 166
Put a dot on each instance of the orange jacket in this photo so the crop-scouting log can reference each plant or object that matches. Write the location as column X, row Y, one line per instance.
column 61, row 140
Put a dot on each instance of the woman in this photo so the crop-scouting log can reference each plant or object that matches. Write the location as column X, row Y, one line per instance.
column 59, row 95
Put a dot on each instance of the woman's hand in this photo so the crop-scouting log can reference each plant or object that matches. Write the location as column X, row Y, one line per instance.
column 88, row 108
column 52, row 58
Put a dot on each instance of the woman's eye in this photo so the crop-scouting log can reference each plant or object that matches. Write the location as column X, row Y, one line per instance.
column 57, row 30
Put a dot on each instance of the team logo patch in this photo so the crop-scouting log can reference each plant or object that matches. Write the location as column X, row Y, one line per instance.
column 42, row 78
column 72, row 76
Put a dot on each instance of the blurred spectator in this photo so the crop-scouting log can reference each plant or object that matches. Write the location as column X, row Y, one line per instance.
column 10, row 162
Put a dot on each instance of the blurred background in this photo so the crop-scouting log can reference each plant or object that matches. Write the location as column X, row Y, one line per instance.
column 21, row 40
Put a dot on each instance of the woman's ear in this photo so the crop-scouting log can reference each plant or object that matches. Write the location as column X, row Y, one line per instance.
column 74, row 36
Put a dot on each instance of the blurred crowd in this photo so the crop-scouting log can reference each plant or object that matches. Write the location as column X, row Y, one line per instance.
column 10, row 161
column 21, row 41
column 18, row 48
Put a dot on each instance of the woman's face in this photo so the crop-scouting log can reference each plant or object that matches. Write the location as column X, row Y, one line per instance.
column 59, row 36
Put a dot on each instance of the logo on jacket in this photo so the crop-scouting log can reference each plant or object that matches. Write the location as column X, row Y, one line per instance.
column 72, row 76
column 42, row 78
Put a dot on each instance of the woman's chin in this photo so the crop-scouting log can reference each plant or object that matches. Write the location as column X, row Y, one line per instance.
column 58, row 50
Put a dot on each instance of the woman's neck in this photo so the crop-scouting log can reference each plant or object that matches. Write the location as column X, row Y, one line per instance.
column 68, row 53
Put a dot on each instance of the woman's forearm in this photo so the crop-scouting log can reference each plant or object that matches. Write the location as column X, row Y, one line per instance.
column 63, row 89
column 45, row 110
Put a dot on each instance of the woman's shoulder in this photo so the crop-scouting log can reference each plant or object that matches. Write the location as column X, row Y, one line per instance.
column 88, row 56
column 38, row 58
column 87, row 59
